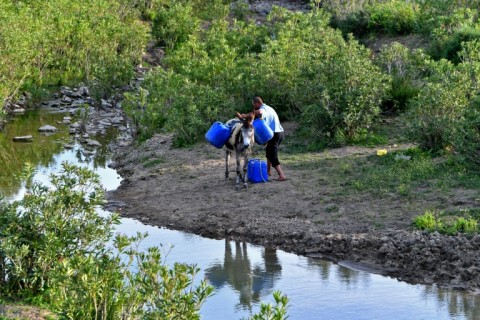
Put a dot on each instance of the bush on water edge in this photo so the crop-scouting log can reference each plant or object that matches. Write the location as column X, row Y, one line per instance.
column 56, row 250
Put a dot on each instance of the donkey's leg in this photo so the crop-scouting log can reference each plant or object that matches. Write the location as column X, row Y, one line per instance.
column 239, row 173
column 227, row 158
column 245, row 162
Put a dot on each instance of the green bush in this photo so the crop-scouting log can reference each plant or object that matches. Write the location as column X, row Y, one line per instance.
column 393, row 17
column 171, row 102
column 88, row 41
column 102, row 285
column 463, row 225
column 436, row 111
column 174, row 24
column 407, row 69
column 467, row 138
column 54, row 245
column 427, row 221
column 453, row 28
column 269, row 312
column 447, row 225
column 294, row 60
column 56, row 249
column 47, row 226
column 355, row 23
column 450, row 48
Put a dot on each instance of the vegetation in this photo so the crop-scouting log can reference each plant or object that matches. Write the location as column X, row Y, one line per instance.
column 434, row 221
column 313, row 67
column 63, row 42
column 56, row 249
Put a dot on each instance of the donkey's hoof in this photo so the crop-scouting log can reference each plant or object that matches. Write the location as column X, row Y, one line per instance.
column 237, row 187
column 245, row 186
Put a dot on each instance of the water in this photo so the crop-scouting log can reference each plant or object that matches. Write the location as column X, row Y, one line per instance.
column 244, row 275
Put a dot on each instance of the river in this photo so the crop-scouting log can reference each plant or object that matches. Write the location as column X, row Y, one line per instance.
column 243, row 275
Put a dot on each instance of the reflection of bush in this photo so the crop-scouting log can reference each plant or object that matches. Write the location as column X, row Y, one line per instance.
column 42, row 151
column 237, row 271
column 38, row 153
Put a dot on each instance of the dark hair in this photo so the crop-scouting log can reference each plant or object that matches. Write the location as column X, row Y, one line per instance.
column 257, row 100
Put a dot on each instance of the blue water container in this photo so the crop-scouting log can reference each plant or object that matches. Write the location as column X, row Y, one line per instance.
column 218, row 134
column 257, row 171
column 263, row 133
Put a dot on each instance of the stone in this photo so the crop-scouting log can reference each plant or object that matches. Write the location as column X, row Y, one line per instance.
column 47, row 128
column 28, row 138
column 93, row 143
column 18, row 111
column 66, row 100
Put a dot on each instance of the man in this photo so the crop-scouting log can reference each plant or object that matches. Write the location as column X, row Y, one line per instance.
column 271, row 119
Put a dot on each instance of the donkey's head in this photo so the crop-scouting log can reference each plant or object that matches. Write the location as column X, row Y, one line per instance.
column 247, row 132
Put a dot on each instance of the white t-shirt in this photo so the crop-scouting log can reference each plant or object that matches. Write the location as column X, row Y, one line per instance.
column 271, row 118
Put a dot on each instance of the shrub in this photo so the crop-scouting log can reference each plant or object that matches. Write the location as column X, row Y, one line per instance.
column 76, row 41
column 174, row 24
column 269, row 312
column 406, row 69
column 463, row 225
column 55, row 245
column 103, row 285
column 433, row 222
column 427, row 221
column 295, row 60
column 467, row 136
column 453, row 28
column 393, row 17
column 436, row 111
column 50, row 225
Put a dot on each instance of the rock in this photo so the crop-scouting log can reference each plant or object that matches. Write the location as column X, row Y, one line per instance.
column 117, row 120
column 105, row 123
column 400, row 157
column 88, row 153
column 54, row 103
column 66, row 100
column 84, row 91
column 93, row 143
column 106, row 104
column 28, row 138
column 78, row 103
column 18, row 111
column 47, row 128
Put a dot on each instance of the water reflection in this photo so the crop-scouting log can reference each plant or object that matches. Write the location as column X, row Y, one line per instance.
column 457, row 302
column 45, row 150
column 252, row 281
column 39, row 152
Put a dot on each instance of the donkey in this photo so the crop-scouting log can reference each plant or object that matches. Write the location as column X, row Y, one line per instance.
column 241, row 141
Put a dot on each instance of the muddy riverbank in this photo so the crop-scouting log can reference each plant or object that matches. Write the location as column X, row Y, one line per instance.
column 184, row 189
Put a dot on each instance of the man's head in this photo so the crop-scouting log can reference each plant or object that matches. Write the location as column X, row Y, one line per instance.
column 257, row 103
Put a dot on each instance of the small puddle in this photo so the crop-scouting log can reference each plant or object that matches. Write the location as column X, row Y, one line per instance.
column 243, row 275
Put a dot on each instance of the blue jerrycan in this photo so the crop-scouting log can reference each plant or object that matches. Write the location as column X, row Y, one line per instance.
column 263, row 133
column 257, row 171
column 218, row 134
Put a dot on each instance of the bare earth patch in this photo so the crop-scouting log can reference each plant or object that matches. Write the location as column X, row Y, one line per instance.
column 312, row 213
column 24, row 312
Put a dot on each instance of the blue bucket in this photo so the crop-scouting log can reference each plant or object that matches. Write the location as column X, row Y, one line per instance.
column 257, row 171
column 218, row 134
column 263, row 133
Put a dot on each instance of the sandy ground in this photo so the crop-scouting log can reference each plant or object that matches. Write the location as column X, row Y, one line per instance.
column 309, row 214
